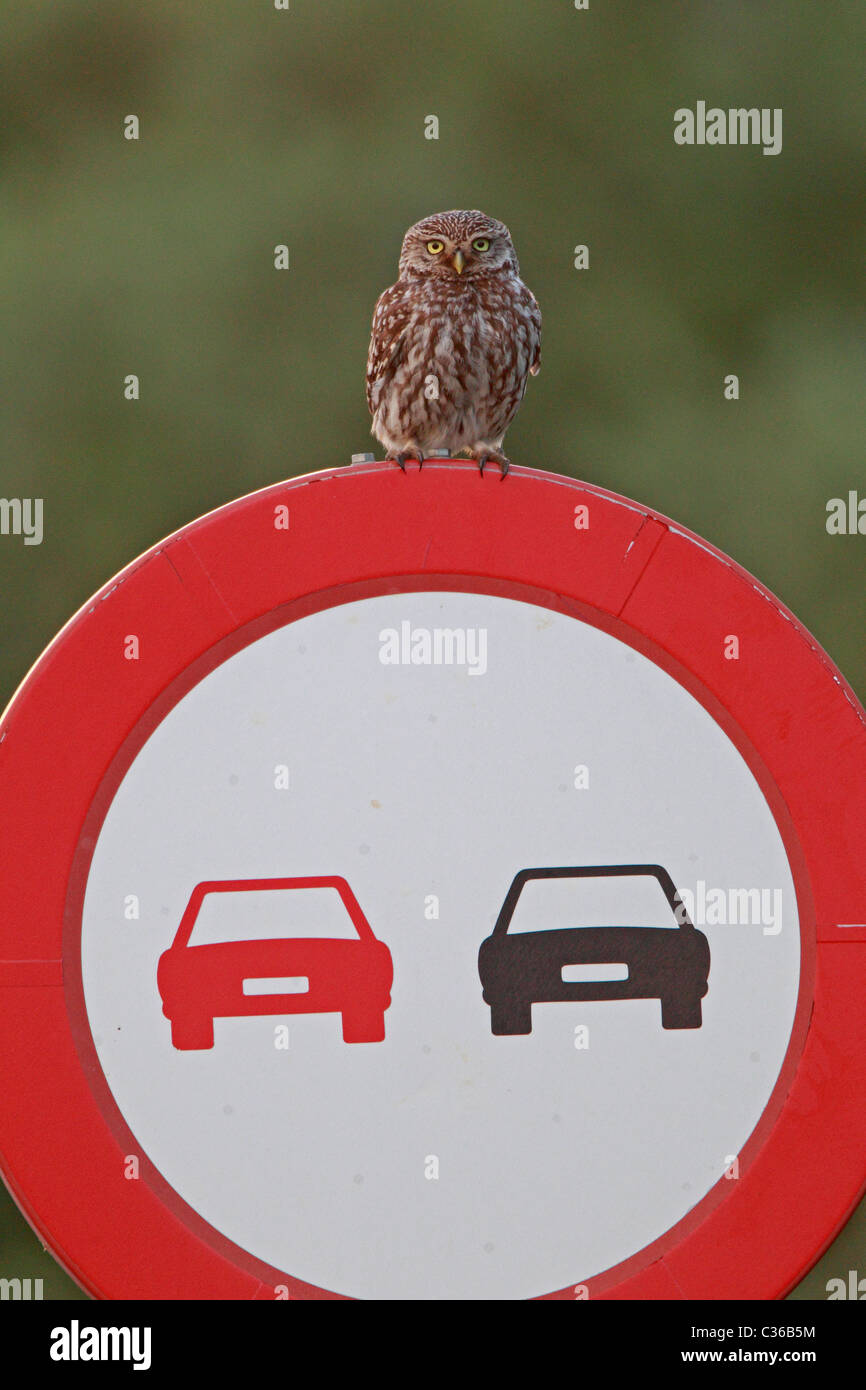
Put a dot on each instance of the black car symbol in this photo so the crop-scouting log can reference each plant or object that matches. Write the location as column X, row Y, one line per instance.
column 668, row 963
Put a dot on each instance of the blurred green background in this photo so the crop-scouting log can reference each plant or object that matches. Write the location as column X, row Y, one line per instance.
column 306, row 128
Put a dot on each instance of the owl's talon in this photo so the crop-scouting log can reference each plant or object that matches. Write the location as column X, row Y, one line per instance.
column 497, row 458
column 400, row 459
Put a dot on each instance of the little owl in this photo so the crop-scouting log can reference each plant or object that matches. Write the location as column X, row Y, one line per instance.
column 453, row 341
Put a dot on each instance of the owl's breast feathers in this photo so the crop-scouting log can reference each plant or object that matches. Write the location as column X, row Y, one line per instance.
column 449, row 359
column 488, row 329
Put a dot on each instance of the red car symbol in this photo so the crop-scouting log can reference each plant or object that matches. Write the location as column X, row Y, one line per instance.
column 286, row 975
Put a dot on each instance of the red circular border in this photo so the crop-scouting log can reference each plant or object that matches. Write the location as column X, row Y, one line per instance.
column 75, row 724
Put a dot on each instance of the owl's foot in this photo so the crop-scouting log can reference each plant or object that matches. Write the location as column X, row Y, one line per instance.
column 496, row 456
column 400, row 459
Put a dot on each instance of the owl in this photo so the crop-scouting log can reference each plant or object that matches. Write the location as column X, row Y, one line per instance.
column 453, row 342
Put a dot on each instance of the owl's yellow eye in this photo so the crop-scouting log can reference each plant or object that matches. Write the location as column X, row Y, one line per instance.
column 435, row 247
column 481, row 244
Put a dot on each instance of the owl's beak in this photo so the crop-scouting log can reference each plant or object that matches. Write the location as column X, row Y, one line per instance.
column 458, row 260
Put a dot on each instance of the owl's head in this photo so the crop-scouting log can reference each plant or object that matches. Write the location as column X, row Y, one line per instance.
column 458, row 244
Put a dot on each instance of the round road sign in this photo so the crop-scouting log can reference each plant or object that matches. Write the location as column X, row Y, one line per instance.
column 423, row 886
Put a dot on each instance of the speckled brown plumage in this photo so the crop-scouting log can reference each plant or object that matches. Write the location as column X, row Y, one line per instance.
column 453, row 341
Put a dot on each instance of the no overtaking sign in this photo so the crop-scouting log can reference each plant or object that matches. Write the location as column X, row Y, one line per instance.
column 421, row 887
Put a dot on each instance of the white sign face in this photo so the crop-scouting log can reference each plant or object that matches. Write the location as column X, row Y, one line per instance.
column 332, row 1091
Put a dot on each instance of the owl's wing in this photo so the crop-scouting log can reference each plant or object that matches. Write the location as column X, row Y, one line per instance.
column 534, row 318
column 390, row 323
